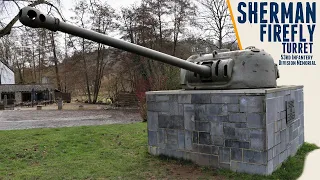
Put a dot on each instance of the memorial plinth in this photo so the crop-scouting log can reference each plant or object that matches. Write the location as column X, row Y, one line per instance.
column 244, row 130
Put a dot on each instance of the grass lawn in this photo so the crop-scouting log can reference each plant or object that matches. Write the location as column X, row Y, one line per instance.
column 107, row 152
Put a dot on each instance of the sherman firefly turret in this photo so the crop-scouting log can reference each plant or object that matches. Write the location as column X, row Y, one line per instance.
column 249, row 68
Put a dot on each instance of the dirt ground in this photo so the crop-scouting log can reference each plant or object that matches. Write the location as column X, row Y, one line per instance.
column 71, row 115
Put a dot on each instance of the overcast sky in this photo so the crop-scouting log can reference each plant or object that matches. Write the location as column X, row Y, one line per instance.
column 116, row 4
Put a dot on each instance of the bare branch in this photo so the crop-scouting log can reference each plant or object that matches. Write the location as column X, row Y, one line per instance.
column 7, row 29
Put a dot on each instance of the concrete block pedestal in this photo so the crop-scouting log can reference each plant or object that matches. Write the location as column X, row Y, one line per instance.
column 245, row 130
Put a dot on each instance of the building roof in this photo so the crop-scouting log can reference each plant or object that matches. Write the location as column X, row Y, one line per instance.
column 7, row 65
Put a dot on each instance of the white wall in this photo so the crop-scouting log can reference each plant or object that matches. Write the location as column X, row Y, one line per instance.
column 7, row 76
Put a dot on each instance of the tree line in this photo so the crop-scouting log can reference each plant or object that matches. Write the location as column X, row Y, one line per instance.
column 176, row 27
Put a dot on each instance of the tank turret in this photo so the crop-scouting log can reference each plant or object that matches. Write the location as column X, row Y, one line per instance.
column 249, row 68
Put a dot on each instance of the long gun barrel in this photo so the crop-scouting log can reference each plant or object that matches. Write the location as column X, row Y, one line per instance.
column 32, row 17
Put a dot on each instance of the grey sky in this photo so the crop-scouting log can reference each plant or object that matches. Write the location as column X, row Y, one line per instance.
column 116, row 4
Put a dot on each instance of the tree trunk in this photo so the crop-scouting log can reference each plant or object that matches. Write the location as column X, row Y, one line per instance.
column 86, row 72
column 55, row 59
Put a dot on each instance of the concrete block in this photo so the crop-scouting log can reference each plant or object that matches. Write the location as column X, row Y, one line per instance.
column 217, row 140
column 189, row 117
column 251, row 103
column 152, row 138
column 158, row 106
column 172, row 136
column 171, row 147
column 270, row 167
column 282, row 157
column 277, row 125
column 173, row 97
column 152, row 121
column 215, row 150
column 188, row 107
column 177, row 122
column 200, row 99
column 216, row 129
column 160, row 98
column 205, row 138
column 248, row 168
column 283, row 114
column 255, row 109
column 301, row 139
column 257, row 139
column 276, row 150
column 215, row 109
column 278, row 116
column 214, row 161
column 275, row 162
column 255, row 157
column 240, row 125
column 281, row 103
column 203, row 159
column 277, row 139
column 233, row 108
column 237, row 144
column 176, row 109
column 256, row 120
column 296, row 124
column 161, row 136
column 270, row 135
column 204, row 149
column 150, row 97
column 184, row 98
column 203, row 126
column 225, row 165
column 229, row 131
column 153, row 150
column 302, row 120
column 236, row 154
column 271, row 110
column 242, row 134
column 181, row 139
column 218, row 118
column 270, row 154
column 195, row 137
column 237, row 117
column 170, row 122
column 200, row 113
column 195, row 147
column 283, row 124
column 179, row 154
column 224, row 109
column 224, row 99
column 224, row 155
column 188, row 140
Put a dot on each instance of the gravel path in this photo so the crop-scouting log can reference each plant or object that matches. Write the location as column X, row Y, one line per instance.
column 26, row 119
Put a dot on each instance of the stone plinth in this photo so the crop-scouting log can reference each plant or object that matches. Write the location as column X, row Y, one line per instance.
column 247, row 130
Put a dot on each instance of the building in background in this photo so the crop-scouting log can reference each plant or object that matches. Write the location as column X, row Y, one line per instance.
column 17, row 94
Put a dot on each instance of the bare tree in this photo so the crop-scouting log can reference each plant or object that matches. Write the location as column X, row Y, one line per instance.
column 81, row 10
column 103, row 17
column 183, row 10
column 214, row 19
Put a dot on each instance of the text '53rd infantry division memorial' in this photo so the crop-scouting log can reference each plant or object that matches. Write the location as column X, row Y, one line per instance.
column 231, row 113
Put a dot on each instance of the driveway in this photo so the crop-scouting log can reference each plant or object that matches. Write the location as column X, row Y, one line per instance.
column 26, row 119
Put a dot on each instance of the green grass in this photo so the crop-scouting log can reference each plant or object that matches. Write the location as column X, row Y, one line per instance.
column 106, row 152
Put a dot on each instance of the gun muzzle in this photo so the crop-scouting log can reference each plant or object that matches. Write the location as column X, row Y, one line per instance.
column 32, row 17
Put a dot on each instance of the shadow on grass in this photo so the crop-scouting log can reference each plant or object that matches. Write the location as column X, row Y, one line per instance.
column 292, row 168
